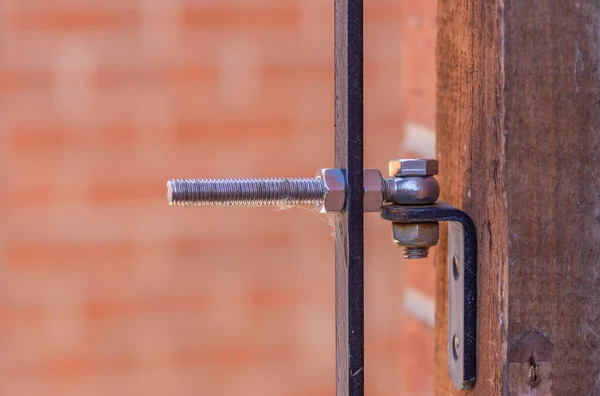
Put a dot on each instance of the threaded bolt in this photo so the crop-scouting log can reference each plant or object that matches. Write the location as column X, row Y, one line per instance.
column 245, row 192
column 411, row 183
column 413, row 252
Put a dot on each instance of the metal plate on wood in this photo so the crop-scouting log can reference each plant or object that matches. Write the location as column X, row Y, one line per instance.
column 456, row 305
column 462, row 307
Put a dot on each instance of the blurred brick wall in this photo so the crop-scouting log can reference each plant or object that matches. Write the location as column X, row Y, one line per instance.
column 104, row 289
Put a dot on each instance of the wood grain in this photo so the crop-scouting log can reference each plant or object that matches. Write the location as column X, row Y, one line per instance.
column 349, row 254
column 518, row 122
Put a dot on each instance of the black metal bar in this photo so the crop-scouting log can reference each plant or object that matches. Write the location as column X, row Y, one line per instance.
column 349, row 261
column 442, row 211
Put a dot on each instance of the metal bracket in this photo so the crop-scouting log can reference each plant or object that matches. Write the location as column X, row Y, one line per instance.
column 462, row 282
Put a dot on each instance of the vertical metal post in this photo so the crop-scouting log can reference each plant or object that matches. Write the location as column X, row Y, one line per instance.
column 349, row 224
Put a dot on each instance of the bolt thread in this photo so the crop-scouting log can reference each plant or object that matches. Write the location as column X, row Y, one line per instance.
column 245, row 192
column 414, row 252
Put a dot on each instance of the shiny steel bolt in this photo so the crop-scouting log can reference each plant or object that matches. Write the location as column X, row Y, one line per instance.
column 327, row 190
column 245, row 192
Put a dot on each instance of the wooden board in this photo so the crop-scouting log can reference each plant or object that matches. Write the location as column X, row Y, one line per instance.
column 349, row 252
column 518, row 124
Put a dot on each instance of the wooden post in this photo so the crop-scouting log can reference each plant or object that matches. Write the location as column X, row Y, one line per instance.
column 518, row 128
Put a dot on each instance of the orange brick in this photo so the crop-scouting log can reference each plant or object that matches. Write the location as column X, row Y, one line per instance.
column 416, row 352
column 36, row 195
column 380, row 11
column 188, row 247
column 72, row 367
column 232, row 356
column 239, row 16
column 98, row 310
column 118, row 190
column 12, row 80
column 42, row 136
column 419, row 30
column 46, row 256
column 420, row 274
column 296, row 74
column 75, row 19
column 169, row 76
column 233, row 129
column 32, row 135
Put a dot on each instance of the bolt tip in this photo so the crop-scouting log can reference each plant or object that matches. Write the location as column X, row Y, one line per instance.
column 170, row 192
column 414, row 252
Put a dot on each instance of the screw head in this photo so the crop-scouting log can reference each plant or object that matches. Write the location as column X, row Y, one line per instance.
column 455, row 347
column 334, row 183
column 413, row 167
column 455, row 267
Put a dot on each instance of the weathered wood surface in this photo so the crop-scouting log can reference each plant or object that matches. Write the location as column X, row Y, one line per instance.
column 518, row 127
column 349, row 247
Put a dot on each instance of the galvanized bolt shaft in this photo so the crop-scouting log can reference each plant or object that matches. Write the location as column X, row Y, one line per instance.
column 327, row 190
column 245, row 192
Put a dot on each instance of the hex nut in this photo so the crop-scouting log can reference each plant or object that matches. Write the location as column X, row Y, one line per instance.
column 374, row 185
column 334, row 183
column 413, row 167
column 416, row 234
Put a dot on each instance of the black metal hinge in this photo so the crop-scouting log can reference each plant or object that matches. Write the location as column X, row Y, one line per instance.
column 462, row 283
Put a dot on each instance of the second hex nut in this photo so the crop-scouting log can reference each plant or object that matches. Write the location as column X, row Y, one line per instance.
column 416, row 234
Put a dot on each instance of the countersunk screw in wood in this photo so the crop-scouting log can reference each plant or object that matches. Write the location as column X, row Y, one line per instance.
column 455, row 347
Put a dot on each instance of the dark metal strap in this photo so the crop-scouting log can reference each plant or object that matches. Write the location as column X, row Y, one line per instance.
column 463, row 376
